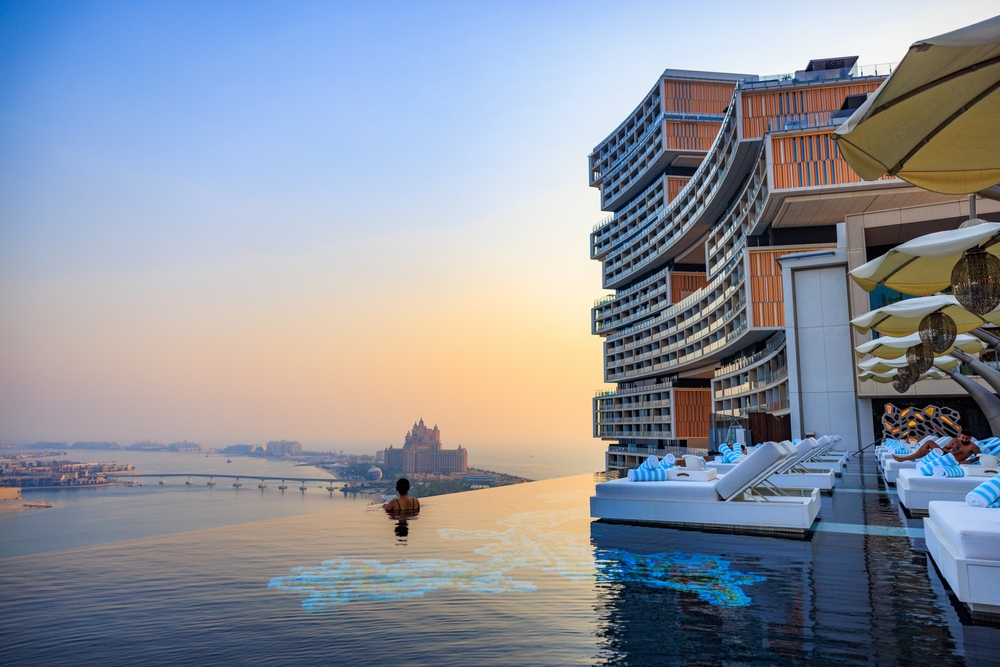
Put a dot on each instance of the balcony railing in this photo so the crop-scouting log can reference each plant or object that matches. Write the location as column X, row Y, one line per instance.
column 775, row 343
column 796, row 78
column 761, row 383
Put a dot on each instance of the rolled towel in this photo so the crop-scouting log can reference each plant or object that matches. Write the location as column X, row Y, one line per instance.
column 929, row 464
column 948, row 471
column 927, row 469
column 947, row 460
column 931, row 456
column 658, row 474
column 650, row 464
column 668, row 459
column 725, row 449
column 986, row 494
column 731, row 457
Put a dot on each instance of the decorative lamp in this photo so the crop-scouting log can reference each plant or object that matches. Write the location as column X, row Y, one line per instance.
column 975, row 281
column 919, row 358
column 938, row 332
column 907, row 375
column 899, row 384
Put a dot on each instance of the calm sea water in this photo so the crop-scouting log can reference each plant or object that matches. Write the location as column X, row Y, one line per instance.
column 510, row 576
column 89, row 516
column 85, row 517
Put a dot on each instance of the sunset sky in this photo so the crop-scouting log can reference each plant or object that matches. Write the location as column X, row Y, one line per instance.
column 238, row 222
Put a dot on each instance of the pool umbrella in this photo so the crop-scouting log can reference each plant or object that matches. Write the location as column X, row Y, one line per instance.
column 903, row 317
column 888, row 347
column 889, row 376
column 889, row 366
column 935, row 122
column 924, row 265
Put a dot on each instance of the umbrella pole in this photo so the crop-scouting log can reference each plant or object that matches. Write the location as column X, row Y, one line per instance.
column 972, row 207
column 987, row 402
column 988, row 338
column 991, row 376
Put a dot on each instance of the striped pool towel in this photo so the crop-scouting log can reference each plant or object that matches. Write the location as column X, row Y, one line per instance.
column 929, row 465
column 657, row 474
column 986, row 494
column 948, row 471
column 931, row 456
column 650, row 464
column 896, row 447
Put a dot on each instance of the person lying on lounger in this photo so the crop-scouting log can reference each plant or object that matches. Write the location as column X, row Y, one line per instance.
column 962, row 448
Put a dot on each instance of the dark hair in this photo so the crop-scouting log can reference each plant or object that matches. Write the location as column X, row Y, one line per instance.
column 967, row 432
column 402, row 486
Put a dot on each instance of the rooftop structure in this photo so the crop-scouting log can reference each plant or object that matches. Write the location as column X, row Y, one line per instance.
column 712, row 182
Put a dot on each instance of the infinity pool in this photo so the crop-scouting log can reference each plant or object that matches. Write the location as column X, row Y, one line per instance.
column 515, row 575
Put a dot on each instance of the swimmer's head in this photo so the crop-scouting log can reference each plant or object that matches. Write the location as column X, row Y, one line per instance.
column 402, row 486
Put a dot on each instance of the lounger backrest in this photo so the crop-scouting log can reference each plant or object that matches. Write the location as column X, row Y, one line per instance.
column 802, row 451
column 823, row 440
column 754, row 468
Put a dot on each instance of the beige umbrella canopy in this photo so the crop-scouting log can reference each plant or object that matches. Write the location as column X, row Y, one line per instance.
column 903, row 318
column 890, row 366
column 886, row 378
column 923, row 266
column 887, row 347
column 935, row 122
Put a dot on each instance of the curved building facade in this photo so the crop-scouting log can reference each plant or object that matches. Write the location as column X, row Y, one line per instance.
column 711, row 183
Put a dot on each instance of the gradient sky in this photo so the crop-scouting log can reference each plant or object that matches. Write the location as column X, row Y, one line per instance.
column 237, row 222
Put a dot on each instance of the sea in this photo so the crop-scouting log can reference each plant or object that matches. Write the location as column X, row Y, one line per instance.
column 90, row 516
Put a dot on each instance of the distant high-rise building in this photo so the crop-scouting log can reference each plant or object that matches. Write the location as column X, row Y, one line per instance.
column 422, row 453
column 284, row 448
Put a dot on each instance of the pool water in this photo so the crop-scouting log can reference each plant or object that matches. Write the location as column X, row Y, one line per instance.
column 514, row 575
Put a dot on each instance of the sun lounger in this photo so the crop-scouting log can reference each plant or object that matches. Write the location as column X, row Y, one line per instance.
column 742, row 499
column 916, row 490
column 964, row 543
column 792, row 474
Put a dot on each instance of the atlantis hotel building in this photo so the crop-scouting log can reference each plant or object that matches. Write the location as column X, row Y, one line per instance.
column 733, row 223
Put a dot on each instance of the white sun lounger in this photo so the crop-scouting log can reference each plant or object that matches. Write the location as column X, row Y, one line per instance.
column 792, row 475
column 917, row 490
column 891, row 468
column 742, row 499
column 964, row 542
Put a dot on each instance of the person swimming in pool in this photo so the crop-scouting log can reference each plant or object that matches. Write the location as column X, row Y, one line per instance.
column 961, row 447
column 404, row 503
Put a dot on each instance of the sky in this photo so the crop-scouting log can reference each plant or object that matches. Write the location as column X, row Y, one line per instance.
column 242, row 222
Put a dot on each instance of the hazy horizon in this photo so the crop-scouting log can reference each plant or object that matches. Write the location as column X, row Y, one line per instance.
column 238, row 222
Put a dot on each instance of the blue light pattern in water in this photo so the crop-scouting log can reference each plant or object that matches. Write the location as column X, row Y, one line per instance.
column 530, row 540
column 706, row 576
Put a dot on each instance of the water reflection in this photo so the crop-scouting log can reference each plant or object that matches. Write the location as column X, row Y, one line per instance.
column 402, row 528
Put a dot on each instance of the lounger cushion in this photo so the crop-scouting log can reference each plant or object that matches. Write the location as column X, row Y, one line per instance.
column 622, row 488
column 763, row 457
column 973, row 531
column 915, row 481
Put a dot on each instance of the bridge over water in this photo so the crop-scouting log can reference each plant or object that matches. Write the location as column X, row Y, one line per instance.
column 211, row 479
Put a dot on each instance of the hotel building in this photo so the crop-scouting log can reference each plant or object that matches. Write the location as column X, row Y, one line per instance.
column 733, row 223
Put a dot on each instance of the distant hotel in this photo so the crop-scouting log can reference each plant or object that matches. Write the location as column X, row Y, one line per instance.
column 734, row 222
column 422, row 453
